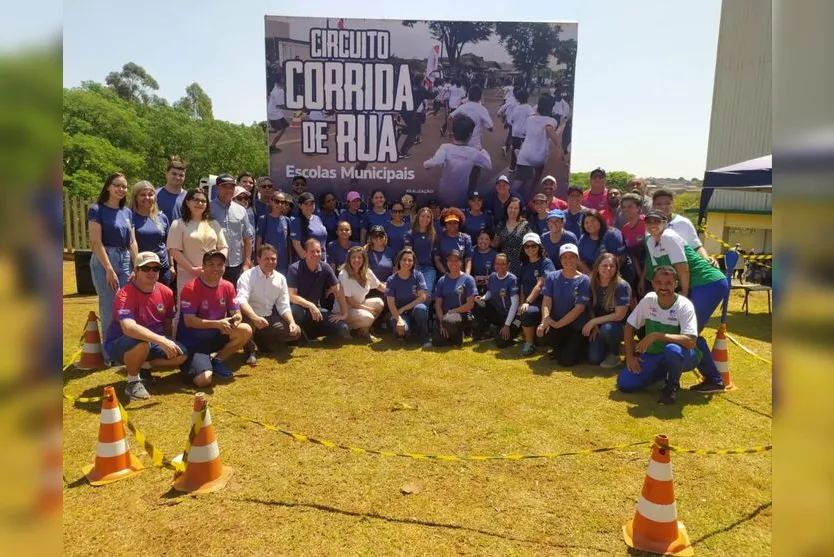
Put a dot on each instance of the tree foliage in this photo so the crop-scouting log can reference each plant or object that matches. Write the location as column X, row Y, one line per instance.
column 615, row 179
column 121, row 126
column 530, row 45
column 455, row 35
column 565, row 53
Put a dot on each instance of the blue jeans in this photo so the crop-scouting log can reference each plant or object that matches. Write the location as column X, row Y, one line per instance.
column 430, row 274
column 706, row 298
column 120, row 261
column 667, row 365
column 315, row 329
column 119, row 346
column 607, row 342
column 416, row 321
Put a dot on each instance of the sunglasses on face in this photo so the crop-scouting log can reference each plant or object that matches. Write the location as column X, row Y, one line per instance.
column 242, row 198
column 531, row 246
column 396, row 211
column 199, row 201
column 150, row 268
column 280, row 201
column 265, row 186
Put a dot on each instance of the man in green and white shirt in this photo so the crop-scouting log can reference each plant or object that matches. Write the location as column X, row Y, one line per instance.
column 668, row 349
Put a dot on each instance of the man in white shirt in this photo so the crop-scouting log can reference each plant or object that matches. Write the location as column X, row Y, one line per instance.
column 264, row 300
column 454, row 99
column 664, row 201
column 477, row 112
column 276, row 101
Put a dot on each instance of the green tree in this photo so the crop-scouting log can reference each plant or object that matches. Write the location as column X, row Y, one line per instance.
column 614, row 178
column 530, row 45
column 565, row 53
column 455, row 35
column 196, row 103
column 133, row 83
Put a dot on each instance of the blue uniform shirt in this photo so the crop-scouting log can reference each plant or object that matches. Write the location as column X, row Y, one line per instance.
column 573, row 223
column 501, row 290
column 462, row 242
column 530, row 274
column 382, row 263
column 404, row 291
column 610, row 242
column 622, row 297
column 315, row 230
column 552, row 249
column 422, row 246
column 336, row 254
column 115, row 224
column 356, row 221
column 275, row 231
column 170, row 204
column 396, row 235
column 565, row 294
column 454, row 292
column 474, row 224
column 483, row 263
column 152, row 235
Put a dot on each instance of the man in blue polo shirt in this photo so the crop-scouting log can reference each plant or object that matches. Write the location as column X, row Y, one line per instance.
column 235, row 223
column 310, row 282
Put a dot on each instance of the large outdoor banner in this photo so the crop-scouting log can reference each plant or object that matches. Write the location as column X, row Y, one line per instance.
column 432, row 108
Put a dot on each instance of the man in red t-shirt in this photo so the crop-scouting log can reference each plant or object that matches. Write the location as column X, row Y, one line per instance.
column 634, row 232
column 548, row 188
column 597, row 196
column 140, row 332
column 612, row 214
column 211, row 322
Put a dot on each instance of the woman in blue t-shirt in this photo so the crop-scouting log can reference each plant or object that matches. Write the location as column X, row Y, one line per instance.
column 307, row 225
column 337, row 249
column 380, row 256
column 531, row 277
column 378, row 214
column 397, row 227
column 274, row 229
column 113, row 244
column 329, row 214
column 557, row 236
column 476, row 219
column 499, row 306
column 406, row 296
column 610, row 299
column 453, row 239
column 483, row 258
column 421, row 239
column 597, row 238
column 150, row 226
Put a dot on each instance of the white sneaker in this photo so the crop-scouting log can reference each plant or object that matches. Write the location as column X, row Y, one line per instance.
column 251, row 359
column 611, row 361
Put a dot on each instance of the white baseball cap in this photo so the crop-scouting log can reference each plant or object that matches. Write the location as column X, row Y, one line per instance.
column 568, row 248
column 531, row 237
column 146, row 257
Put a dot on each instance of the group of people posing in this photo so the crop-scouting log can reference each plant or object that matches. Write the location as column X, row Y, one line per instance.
column 186, row 281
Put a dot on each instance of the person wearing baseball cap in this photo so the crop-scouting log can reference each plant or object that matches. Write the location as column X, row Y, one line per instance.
column 496, row 202
column 475, row 218
column 534, row 269
column 538, row 216
column 567, row 296
column 307, row 225
column 699, row 281
column 454, row 298
column 498, row 307
column 240, row 236
column 597, row 196
column 453, row 239
column 210, row 322
column 354, row 215
column 575, row 211
column 380, row 255
column 142, row 325
column 548, row 188
column 556, row 236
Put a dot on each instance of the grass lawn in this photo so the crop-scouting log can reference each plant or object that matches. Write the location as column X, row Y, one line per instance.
column 288, row 497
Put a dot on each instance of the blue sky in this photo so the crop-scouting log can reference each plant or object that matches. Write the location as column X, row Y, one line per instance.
column 644, row 73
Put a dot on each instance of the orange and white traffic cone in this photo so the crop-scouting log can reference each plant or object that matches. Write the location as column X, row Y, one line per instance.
column 91, row 351
column 114, row 461
column 722, row 356
column 203, row 471
column 51, row 492
column 655, row 526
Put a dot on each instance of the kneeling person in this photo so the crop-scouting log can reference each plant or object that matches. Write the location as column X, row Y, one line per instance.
column 211, row 322
column 140, row 332
column 668, row 349
column 498, row 307
column 454, row 298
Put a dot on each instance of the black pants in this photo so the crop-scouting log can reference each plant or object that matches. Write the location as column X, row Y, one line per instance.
column 277, row 330
column 569, row 344
column 233, row 273
column 489, row 315
column 455, row 331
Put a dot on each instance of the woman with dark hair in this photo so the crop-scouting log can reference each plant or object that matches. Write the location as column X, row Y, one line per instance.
column 113, row 243
column 337, row 249
column 329, row 214
column 483, row 258
column 534, row 269
column 357, row 280
column 597, row 238
column 150, row 226
column 453, row 239
column 192, row 235
column 380, row 255
column 556, row 236
column 307, row 225
column 510, row 234
column 397, row 227
column 421, row 238
column 378, row 213
column 610, row 298
column 499, row 305
column 274, row 230
column 407, row 298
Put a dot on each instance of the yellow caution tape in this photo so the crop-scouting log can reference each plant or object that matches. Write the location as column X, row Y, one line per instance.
column 751, row 258
column 157, row 457
column 421, row 456
column 748, row 450
column 744, row 348
column 82, row 399
column 196, row 426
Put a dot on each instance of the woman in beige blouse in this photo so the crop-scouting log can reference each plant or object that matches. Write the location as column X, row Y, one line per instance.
column 192, row 235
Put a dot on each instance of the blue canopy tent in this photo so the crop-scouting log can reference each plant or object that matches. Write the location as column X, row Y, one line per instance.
column 755, row 173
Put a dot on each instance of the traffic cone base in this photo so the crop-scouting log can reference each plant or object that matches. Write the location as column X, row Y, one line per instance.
column 203, row 471
column 679, row 547
column 114, row 461
column 92, row 356
column 721, row 356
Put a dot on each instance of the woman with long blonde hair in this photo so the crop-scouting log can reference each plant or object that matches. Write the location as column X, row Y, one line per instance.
column 610, row 299
column 357, row 280
column 151, row 226
column 421, row 239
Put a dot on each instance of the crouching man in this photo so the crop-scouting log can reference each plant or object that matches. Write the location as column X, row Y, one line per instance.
column 211, row 322
column 668, row 349
column 140, row 332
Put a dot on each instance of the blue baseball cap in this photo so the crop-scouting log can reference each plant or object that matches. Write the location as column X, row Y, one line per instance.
column 556, row 214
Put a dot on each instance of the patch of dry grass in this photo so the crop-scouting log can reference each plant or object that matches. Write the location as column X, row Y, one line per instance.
column 292, row 498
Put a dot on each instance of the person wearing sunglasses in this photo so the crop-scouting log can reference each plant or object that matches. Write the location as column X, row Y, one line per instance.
column 307, row 225
column 397, row 227
column 141, row 326
column 243, row 197
column 262, row 197
column 240, row 236
column 454, row 298
column 535, row 266
column 329, row 214
column 497, row 309
column 211, row 323
column 354, row 215
column 274, row 230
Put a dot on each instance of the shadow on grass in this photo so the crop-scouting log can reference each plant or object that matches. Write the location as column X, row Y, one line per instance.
column 415, row 522
column 726, row 398
column 746, row 518
column 644, row 403
column 77, row 295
